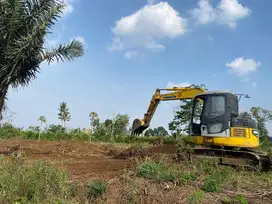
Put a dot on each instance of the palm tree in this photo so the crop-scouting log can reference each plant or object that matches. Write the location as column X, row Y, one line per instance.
column 42, row 120
column 24, row 24
column 64, row 114
column 93, row 118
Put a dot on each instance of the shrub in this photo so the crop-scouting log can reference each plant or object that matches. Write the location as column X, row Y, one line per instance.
column 9, row 131
column 95, row 189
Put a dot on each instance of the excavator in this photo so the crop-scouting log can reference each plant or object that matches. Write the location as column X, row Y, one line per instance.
column 216, row 127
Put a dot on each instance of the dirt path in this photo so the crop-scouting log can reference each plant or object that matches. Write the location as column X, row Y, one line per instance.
column 84, row 161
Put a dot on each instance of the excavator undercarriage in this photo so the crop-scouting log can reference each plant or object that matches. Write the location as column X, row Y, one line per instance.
column 216, row 128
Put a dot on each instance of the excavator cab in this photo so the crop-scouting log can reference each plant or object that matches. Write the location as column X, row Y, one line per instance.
column 212, row 113
column 215, row 120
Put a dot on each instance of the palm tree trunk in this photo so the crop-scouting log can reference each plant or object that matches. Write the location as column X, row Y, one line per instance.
column 3, row 94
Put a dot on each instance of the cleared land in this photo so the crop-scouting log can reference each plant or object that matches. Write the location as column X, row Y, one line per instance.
column 113, row 163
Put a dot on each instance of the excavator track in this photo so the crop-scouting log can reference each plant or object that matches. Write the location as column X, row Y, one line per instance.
column 254, row 160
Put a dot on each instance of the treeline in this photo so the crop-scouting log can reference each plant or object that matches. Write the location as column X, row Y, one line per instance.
column 117, row 129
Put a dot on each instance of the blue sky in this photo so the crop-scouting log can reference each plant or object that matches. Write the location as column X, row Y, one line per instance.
column 133, row 47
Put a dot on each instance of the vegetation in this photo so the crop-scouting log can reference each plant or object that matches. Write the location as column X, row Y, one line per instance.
column 40, row 183
column 206, row 176
column 64, row 114
column 24, row 25
column 96, row 189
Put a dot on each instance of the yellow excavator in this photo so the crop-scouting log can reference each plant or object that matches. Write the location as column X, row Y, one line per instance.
column 215, row 124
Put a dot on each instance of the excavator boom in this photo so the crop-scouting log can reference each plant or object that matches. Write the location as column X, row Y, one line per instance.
column 175, row 93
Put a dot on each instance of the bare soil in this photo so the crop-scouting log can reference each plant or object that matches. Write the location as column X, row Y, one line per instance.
column 114, row 163
column 84, row 161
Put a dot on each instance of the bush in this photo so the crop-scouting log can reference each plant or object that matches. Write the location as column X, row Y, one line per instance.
column 95, row 189
column 40, row 183
column 9, row 131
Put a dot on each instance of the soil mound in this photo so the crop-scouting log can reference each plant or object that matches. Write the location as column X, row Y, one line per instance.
column 133, row 152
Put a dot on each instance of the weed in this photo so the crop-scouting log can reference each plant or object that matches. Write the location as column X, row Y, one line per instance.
column 211, row 184
column 239, row 199
column 40, row 183
column 187, row 178
column 196, row 197
column 157, row 171
column 95, row 189
column 73, row 189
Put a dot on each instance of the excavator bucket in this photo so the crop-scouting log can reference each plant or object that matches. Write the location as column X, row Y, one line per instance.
column 138, row 127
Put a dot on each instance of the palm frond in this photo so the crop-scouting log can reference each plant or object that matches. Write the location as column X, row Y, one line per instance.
column 68, row 51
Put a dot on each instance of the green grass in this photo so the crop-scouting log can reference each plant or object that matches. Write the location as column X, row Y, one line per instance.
column 196, row 197
column 39, row 183
column 205, row 176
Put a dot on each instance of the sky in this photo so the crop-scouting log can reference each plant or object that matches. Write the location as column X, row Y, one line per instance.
column 133, row 47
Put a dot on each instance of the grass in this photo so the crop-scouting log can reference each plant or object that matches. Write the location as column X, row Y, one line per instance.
column 42, row 183
column 39, row 183
column 206, row 177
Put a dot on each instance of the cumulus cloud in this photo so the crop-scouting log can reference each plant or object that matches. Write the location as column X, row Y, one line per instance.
column 183, row 84
column 227, row 12
column 242, row 67
column 68, row 6
column 143, row 29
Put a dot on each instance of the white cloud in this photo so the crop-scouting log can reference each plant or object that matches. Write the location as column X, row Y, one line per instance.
column 132, row 53
column 183, row 84
column 68, row 6
column 142, row 29
column 51, row 43
column 242, row 67
column 227, row 12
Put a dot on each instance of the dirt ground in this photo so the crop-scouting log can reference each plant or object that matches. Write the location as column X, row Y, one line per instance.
column 84, row 161
column 91, row 161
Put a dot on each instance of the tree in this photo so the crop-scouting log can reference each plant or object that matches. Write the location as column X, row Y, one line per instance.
column 41, row 119
column 120, row 125
column 149, row 132
column 159, row 131
column 182, row 117
column 94, row 121
column 245, row 115
column 23, row 28
column 64, row 114
column 261, row 116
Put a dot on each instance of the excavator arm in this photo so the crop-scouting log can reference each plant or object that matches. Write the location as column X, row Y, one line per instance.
column 176, row 93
